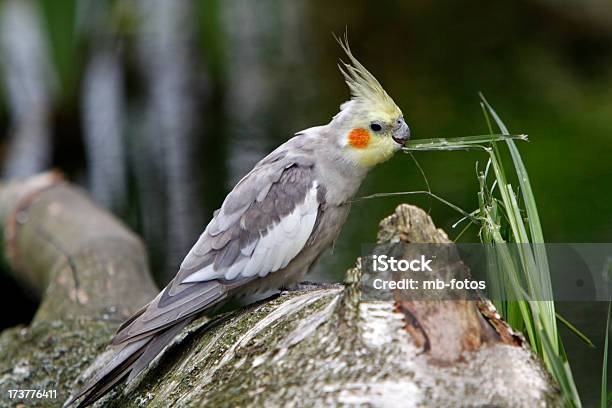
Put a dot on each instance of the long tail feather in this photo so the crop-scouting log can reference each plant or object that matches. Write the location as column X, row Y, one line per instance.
column 144, row 335
column 112, row 373
column 154, row 347
column 130, row 361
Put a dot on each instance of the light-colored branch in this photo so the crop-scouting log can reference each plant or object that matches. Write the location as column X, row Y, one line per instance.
column 320, row 346
column 77, row 258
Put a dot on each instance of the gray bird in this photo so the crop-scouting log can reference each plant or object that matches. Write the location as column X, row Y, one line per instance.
column 271, row 227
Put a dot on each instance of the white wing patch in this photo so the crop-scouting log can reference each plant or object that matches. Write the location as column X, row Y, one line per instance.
column 274, row 249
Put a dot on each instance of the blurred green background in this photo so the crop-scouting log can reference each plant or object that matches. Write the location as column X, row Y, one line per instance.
column 158, row 107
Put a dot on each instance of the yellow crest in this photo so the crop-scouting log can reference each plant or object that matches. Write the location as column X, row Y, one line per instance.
column 363, row 85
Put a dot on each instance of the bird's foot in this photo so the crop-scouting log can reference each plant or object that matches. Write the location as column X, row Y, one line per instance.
column 304, row 286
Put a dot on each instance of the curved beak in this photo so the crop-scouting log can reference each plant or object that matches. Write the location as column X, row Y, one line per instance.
column 401, row 132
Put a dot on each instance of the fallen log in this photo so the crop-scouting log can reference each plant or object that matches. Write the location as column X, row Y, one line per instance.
column 319, row 345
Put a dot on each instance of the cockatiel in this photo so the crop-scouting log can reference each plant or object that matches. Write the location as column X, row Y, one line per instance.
column 271, row 227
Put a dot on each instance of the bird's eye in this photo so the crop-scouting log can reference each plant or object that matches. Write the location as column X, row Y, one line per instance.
column 375, row 127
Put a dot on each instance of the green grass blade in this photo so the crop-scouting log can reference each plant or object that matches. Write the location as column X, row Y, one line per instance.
column 429, row 193
column 540, row 271
column 522, row 281
column 574, row 330
column 561, row 371
column 457, row 142
column 538, row 318
column 604, row 368
column 521, row 171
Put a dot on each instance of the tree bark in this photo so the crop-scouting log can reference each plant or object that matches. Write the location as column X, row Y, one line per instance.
column 316, row 346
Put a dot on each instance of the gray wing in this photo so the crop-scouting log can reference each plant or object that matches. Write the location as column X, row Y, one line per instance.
column 264, row 222
column 262, row 225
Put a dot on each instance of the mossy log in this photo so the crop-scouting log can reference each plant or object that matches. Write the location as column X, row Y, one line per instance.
column 318, row 346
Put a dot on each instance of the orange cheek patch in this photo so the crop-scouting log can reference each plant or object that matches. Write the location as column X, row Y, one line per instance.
column 359, row 138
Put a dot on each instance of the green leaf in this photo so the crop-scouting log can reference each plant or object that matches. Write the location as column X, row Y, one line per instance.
column 604, row 368
column 574, row 330
column 457, row 143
